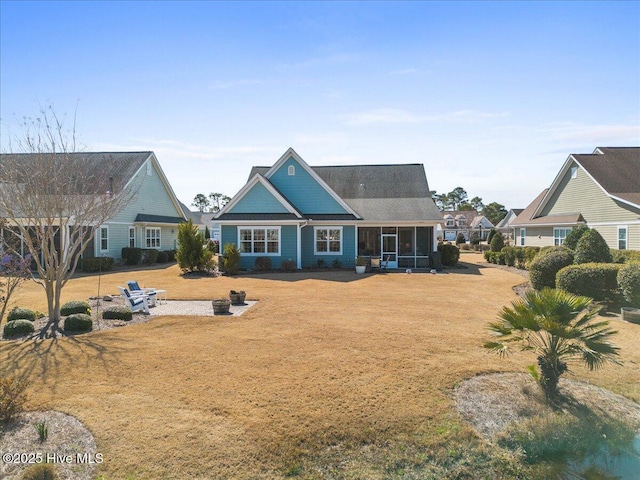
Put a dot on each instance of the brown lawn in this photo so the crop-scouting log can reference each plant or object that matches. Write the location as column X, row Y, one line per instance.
column 330, row 375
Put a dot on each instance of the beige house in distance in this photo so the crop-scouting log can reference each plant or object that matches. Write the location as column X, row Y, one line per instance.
column 601, row 190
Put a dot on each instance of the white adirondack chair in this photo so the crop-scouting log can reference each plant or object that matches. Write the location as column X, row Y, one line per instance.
column 135, row 302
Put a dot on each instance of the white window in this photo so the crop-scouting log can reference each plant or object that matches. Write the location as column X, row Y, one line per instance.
column 328, row 240
column 104, row 239
column 523, row 236
column 259, row 241
column 622, row 238
column 152, row 235
column 291, row 170
column 559, row 234
column 462, row 221
column 449, row 221
column 132, row 237
column 574, row 172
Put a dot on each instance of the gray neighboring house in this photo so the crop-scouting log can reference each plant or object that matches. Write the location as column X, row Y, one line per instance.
column 150, row 220
column 465, row 222
column 505, row 227
column 601, row 190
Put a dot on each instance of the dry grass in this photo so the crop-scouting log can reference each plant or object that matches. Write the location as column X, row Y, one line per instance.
column 329, row 375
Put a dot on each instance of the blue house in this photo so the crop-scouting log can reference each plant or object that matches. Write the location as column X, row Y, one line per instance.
column 291, row 211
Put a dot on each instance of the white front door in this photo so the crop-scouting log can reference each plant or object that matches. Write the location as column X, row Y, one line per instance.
column 390, row 249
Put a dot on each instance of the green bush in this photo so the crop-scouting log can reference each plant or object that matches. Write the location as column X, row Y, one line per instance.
column 497, row 242
column 39, row 471
column 571, row 240
column 545, row 266
column 231, row 259
column 629, row 283
column 492, row 232
column 75, row 306
column 21, row 314
column 12, row 397
column 171, row 255
column 263, row 264
column 510, row 255
column 625, row 256
column 117, row 312
column 530, row 253
column 450, row 254
column 163, row 257
column 592, row 248
column 288, row 265
column 460, row 239
column 149, row 256
column 192, row 255
column 594, row 280
column 17, row 327
column 131, row 255
column 78, row 322
column 97, row 264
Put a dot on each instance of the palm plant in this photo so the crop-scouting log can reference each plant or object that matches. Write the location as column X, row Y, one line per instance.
column 557, row 326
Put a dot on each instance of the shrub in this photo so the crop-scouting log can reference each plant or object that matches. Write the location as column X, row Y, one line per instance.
column 192, row 255
column 497, row 242
column 465, row 246
column 131, row 255
column 12, row 397
column 21, row 314
column 117, row 312
column 75, row 306
column 625, row 256
column 171, row 255
column 592, row 248
column 17, row 327
column 530, row 253
column 78, row 322
column 594, row 280
column 288, row 265
column 149, row 256
column 460, row 239
column 97, row 264
column 545, row 266
column 492, row 232
column 263, row 264
column 629, row 283
column 571, row 240
column 449, row 253
column 510, row 255
column 231, row 259
column 337, row 264
column 163, row 257
column 39, row 471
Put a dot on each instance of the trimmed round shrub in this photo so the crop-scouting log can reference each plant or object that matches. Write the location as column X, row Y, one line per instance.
column 98, row 264
column 21, row 314
column 592, row 248
column 497, row 242
column 492, row 232
column 460, row 239
column 510, row 255
column 131, row 255
column 625, row 256
column 171, row 255
column 117, row 312
column 17, row 327
column 163, row 257
column 450, row 254
column 594, row 280
column 150, row 255
column 39, row 471
column 78, row 322
column 571, row 240
column 288, row 265
column 263, row 264
column 75, row 306
column 543, row 268
column 629, row 283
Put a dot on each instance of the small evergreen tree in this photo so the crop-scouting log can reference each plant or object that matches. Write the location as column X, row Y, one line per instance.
column 592, row 248
column 497, row 242
column 460, row 239
column 191, row 254
column 571, row 240
column 231, row 259
column 207, row 233
column 492, row 232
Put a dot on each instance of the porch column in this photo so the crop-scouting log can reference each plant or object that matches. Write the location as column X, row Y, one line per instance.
column 435, row 238
column 299, row 248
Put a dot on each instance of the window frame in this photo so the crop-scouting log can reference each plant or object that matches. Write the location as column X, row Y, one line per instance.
column 104, row 228
column 328, row 240
column 624, row 228
column 574, row 171
column 266, row 241
column 150, row 240
column 291, row 170
column 132, row 229
column 557, row 240
column 523, row 236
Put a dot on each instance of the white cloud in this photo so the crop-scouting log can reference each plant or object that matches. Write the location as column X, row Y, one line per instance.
column 406, row 71
column 598, row 135
column 393, row 115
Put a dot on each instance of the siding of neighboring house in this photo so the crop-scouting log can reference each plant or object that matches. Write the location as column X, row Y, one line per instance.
column 258, row 200
column 303, row 191
column 536, row 236
column 571, row 194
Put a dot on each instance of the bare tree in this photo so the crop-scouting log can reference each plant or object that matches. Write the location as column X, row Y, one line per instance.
column 53, row 197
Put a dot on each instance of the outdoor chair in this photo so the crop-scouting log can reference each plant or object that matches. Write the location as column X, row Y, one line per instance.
column 135, row 289
column 375, row 264
column 135, row 302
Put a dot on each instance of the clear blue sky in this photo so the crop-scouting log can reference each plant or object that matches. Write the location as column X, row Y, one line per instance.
column 492, row 97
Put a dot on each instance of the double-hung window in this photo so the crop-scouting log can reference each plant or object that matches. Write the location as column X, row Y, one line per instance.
column 559, row 234
column 104, row 239
column 328, row 240
column 259, row 240
column 152, row 236
column 622, row 238
column 523, row 236
column 132, row 237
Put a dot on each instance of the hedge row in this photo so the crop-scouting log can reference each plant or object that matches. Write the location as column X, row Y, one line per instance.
column 596, row 280
column 97, row 264
column 135, row 255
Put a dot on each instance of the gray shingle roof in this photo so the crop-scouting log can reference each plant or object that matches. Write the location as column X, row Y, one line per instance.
column 146, row 218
